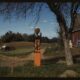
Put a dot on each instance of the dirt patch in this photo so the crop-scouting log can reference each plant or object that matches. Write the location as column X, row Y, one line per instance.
column 16, row 61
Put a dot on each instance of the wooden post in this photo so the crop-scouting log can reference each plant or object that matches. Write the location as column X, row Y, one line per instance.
column 37, row 52
column 37, row 59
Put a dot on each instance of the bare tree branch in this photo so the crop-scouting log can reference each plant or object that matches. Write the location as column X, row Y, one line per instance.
column 73, row 13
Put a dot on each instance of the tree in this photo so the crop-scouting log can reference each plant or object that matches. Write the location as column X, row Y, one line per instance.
column 10, row 36
column 56, row 7
column 18, row 37
column 60, row 39
column 54, row 39
column 31, row 38
column 25, row 36
column 7, row 37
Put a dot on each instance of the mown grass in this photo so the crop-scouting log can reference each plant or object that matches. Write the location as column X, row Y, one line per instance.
column 58, row 50
column 18, row 52
column 21, row 48
column 54, row 50
column 46, row 70
column 4, row 71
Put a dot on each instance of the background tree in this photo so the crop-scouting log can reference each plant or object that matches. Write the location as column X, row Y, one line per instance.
column 25, row 36
column 11, row 36
column 31, row 38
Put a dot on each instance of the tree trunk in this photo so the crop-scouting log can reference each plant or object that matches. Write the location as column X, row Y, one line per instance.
column 68, row 54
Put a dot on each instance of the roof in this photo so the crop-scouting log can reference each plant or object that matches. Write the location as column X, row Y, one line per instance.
column 77, row 23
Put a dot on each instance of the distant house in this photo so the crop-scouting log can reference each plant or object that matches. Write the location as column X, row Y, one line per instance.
column 76, row 32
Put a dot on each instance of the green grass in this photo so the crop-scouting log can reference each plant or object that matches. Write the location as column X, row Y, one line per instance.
column 46, row 70
column 53, row 51
column 21, row 49
column 4, row 71
column 18, row 52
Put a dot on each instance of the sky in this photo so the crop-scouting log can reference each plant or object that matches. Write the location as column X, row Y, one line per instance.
column 47, row 24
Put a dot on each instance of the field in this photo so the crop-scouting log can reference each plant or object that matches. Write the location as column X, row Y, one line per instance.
column 21, row 49
column 19, row 62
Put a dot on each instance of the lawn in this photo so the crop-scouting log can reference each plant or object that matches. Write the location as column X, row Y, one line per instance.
column 54, row 50
column 49, row 68
column 21, row 49
column 46, row 70
column 57, row 50
column 18, row 52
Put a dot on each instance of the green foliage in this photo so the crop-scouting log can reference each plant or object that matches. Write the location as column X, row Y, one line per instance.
column 11, row 36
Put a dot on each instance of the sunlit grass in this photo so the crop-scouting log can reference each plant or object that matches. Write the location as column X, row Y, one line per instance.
column 18, row 52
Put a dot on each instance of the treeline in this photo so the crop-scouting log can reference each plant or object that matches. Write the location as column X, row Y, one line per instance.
column 11, row 36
